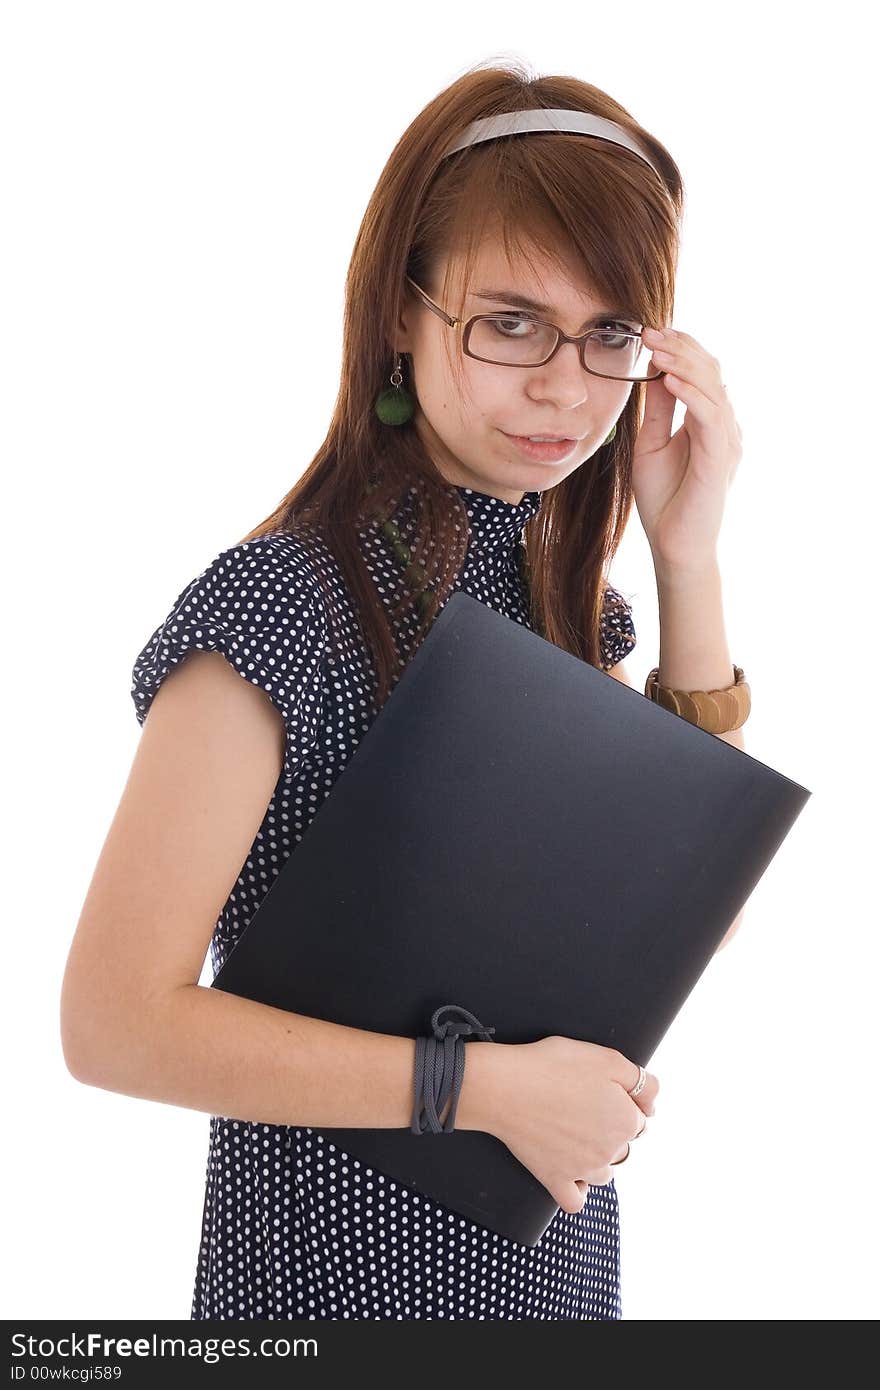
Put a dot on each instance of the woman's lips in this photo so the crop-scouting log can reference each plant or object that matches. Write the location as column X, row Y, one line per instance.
column 546, row 452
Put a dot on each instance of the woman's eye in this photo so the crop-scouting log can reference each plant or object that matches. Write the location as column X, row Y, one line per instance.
column 506, row 326
column 616, row 335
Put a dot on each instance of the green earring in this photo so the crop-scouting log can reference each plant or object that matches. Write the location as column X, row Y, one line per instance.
column 395, row 405
column 612, row 434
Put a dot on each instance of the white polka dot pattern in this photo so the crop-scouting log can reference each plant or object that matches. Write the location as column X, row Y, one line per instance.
column 293, row 1227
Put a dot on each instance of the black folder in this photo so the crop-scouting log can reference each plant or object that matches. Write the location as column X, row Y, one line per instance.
column 522, row 835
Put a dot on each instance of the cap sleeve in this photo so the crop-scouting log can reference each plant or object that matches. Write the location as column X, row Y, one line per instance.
column 260, row 604
column 618, row 633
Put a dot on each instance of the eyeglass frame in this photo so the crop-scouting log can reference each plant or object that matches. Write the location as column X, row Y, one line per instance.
column 561, row 339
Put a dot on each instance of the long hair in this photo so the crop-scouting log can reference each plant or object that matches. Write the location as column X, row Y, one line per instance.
column 582, row 201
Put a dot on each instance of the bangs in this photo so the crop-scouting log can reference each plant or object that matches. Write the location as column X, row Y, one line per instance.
column 569, row 204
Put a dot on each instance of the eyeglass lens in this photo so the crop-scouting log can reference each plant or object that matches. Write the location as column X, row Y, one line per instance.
column 525, row 342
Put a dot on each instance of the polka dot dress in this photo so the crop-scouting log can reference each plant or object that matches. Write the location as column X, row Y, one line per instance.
column 292, row 1226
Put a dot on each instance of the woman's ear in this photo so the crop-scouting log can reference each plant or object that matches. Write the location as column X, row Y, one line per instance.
column 405, row 322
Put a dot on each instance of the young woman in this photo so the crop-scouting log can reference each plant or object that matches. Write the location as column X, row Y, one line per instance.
column 509, row 284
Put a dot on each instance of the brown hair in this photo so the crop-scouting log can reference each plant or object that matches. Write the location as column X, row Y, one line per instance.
column 584, row 202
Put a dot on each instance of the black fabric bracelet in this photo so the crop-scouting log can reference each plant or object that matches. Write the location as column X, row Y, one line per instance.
column 439, row 1070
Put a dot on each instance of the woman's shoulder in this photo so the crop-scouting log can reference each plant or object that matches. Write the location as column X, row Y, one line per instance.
column 298, row 552
column 618, row 631
column 255, row 582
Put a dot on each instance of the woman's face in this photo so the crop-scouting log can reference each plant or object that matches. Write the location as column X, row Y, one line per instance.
column 467, row 431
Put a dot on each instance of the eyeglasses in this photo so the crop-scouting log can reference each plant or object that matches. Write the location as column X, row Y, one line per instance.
column 518, row 339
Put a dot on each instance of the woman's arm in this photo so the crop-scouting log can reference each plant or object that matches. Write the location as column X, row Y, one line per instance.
column 693, row 649
column 226, row 1055
column 134, row 1018
column 694, row 654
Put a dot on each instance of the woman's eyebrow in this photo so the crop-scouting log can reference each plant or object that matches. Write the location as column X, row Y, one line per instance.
column 523, row 302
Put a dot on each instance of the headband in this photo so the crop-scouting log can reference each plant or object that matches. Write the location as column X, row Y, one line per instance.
column 549, row 118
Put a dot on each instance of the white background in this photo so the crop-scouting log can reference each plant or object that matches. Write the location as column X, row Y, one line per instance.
column 183, row 183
